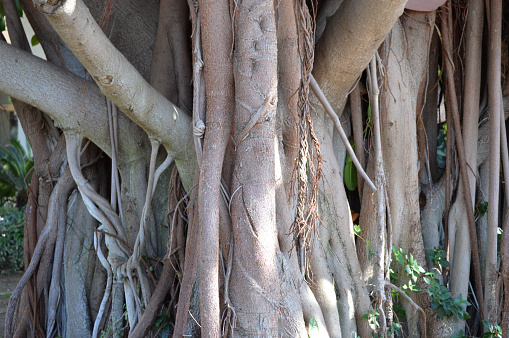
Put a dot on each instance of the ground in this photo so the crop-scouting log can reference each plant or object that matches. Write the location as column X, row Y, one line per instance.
column 7, row 285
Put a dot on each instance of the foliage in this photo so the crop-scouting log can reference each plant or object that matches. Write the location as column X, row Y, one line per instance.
column 411, row 268
column 34, row 41
column 15, row 166
column 372, row 317
column 357, row 229
column 357, row 232
column 2, row 14
column 481, row 208
column 11, row 237
column 492, row 330
column 460, row 334
column 314, row 331
column 350, row 174
column 442, row 147
column 437, row 257
column 393, row 329
column 442, row 300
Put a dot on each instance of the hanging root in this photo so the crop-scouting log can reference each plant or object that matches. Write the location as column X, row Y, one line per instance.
column 45, row 243
column 308, row 174
column 107, row 291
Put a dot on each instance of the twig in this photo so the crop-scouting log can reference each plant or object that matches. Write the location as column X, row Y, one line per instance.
column 319, row 94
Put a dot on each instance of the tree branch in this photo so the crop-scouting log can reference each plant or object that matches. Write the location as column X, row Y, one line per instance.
column 122, row 83
column 72, row 102
column 344, row 50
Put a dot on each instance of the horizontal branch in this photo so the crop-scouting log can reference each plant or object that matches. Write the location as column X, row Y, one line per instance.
column 120, row 82
column 70, row 101
column 73, row 103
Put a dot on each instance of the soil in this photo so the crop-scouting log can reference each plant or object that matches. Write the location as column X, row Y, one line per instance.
column 7, row 285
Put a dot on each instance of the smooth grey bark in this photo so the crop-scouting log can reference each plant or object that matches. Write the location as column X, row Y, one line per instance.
column 495, row 101
column 72, row 103
column 459, row 238
column 77, row 295
column 131, row 26
column 122, row 83
column 348, row 42
column 254, row 275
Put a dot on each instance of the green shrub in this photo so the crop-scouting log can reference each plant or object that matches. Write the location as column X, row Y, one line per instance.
column 11, row 237
column 15, row 165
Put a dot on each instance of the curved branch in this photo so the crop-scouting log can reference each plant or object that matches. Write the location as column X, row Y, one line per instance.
column 344, row 50
column 70, row 101
column 120, row 81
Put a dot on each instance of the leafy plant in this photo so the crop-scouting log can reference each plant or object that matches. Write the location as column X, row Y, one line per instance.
column 481, row 208
column 357, row 229
column 460, row 334
column 357, row 232
column 372, row 317
column 442, row 300
column 393, row 329
column 11, row 237
column 15, row 165
column 492, row 330
column 34, row 41
column 437, row 257
column 411, row 268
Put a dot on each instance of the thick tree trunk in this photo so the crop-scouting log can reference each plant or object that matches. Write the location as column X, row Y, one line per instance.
column 254, row 278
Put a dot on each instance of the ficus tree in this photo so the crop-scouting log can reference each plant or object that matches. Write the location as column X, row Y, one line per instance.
column 190, row 172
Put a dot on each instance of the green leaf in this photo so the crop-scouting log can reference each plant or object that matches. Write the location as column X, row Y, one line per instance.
column 314, row 331
column 350, row 175
column 34, row 41
column 441, row 313
column 159, row 321
column 19, row 8
column 444, row 296
column 415, row 288
column 356, row 229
